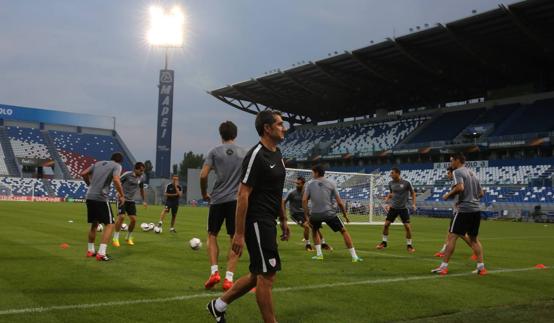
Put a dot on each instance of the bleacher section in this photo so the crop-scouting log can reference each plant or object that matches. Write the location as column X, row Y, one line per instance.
column 67, row 189
column 447, row 126
column 80, row 150
column 27, row 143
column 358, row 138
column 534, row 195
column 539, row 117
column 3, row 168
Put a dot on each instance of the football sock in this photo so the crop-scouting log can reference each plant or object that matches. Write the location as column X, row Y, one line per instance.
column 353, row 253
column 129, row 235
column 116, row 235
column 102, row 249
column 480, row 265
column 91, row 247
column 323, row 241
column 307, row 242
column 409, row 242
column 229, row 276
column 444, row 265
column 385, row 238
column 318, row 249
column 214, row 269
column 220, row 305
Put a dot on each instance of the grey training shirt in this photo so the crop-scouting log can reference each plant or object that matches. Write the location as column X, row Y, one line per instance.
column 401, row 191
column 226, row 161
column 102, row 174
column 468, row 199
column 321, row 192
column 131, row 184
column 294, row 198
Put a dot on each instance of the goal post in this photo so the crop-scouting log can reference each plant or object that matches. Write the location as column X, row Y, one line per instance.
column 363, row 194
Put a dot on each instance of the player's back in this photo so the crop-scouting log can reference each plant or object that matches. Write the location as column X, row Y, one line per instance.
column 468, row 199
column 226, row 160
column 102, row 174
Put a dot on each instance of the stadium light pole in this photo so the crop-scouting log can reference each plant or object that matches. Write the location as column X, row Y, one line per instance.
column 166, row 30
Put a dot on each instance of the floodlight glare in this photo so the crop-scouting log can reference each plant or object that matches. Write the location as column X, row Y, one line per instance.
column 166, row 28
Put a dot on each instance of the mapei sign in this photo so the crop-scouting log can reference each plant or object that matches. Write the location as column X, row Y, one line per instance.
column 165, row 117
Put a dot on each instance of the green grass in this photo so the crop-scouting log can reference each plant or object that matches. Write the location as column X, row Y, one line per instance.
column 36, row 272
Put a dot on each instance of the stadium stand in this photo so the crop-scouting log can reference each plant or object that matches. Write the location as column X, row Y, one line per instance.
column 447, row 126
column 28, row 143
column 3, row 167
column 79, row 150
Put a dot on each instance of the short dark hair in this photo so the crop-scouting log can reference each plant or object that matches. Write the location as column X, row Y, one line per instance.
column 301, row 178
column 117, row 157
column 139, row 165
column 460, row 157
column 319, row 170
column 396, row 170
column 228, row 130
column 175, row 175
column 263, row 118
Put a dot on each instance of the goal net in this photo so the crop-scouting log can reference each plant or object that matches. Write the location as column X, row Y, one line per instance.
column 363, row 194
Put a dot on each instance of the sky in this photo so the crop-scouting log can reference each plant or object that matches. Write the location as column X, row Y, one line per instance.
column 91, row 56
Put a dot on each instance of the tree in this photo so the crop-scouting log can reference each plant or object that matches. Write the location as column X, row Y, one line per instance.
column 190, row 160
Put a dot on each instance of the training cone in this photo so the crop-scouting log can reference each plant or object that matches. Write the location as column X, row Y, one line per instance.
column 540, row 266
column 64, row 246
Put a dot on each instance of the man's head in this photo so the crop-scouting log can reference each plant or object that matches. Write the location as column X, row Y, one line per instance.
column 117, row 157
column 228, row 131
column 139, row 168
column 175, row 179
column 300, row 183
column 318, row 171
column 457, row 160
column 449, row 172
column 395, row 173
column 270, row 124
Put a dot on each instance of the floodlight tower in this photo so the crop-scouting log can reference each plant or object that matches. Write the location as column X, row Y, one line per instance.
column 166, row 31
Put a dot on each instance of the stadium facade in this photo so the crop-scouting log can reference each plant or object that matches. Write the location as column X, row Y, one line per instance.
column 483, row 85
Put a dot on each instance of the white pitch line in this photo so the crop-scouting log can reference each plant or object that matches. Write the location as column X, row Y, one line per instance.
column 276, row 290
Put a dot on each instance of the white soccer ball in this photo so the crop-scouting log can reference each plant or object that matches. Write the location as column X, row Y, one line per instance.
column 124, row 227
column 145, row 227
column 151, row 225
column 158, row 229
column 195, row 243
column 100, row 227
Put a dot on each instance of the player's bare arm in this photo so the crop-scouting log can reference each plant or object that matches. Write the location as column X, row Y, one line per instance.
column 204, row 182
column 240, row 218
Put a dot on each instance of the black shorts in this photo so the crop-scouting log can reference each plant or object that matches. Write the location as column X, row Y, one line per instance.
column 331, row 219
column 261, row 242
column 298, row 218
column 99, row 212
column 128, row 208
column 218, row 214
column 173, row 206
column 463, row 223
column 394, row 213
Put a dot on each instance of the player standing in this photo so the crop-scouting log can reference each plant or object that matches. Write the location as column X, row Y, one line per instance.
column 468, row 218
column 258, row 206
column 399, row 190
column 321, row 192
column 132, row 181
column 99, row 177
column 296, row 211
column 173, row 192
column 225, row 160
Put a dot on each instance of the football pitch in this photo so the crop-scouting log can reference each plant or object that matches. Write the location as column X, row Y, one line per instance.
column 160, row 279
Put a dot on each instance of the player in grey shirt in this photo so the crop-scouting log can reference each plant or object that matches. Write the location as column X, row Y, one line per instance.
column 296, row 212
column 132, row 182
column 468, row 218
column 322, row 192
column 99, row 177
column 399, row 192
column 226, row 161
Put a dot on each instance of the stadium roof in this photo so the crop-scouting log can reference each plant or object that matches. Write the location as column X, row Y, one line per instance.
column 508, row 47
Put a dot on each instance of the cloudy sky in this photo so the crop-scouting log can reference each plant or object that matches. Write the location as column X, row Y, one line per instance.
column 91, row 56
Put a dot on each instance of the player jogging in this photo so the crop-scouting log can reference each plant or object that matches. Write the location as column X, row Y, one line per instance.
column 468, row 218
column 225, row 160
column 99, row 177
column 131, row 181
column 296, row 211
column 322, row 192
column 440, row 254
column 258, row 206
column 399, row 191
column 173, row 192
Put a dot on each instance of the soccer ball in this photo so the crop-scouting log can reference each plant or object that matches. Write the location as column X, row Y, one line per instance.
column 151, row 225
column 145, row 227
column 124, row 227
column 100, row 227
column 195, row 243
column 158, row 229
